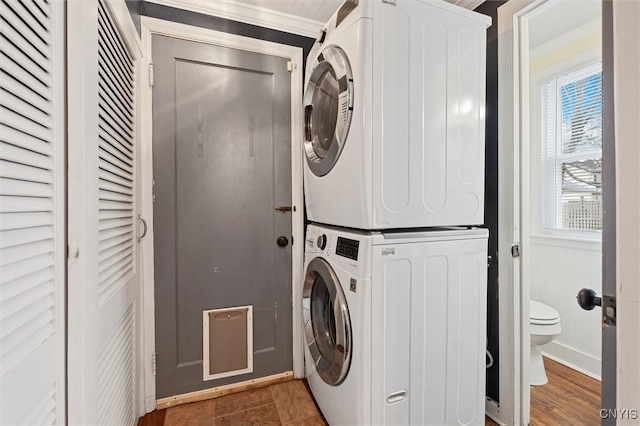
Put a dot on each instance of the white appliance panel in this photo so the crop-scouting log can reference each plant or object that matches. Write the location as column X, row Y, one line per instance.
column 414, row 155
column 419, row 318
column 445, row 318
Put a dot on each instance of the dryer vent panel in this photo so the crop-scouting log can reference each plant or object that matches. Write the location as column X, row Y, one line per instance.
column 227, row 342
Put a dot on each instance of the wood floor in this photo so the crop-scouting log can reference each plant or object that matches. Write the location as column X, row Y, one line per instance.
column 288, row 403
column 569, row 399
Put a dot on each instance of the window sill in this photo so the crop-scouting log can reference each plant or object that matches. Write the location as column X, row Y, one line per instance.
column 589, row 243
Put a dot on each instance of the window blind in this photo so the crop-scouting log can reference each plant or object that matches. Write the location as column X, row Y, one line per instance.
column 571, row 149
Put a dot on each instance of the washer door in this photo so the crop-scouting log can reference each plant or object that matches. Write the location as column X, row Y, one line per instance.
column 327, row 325
column 328, row 106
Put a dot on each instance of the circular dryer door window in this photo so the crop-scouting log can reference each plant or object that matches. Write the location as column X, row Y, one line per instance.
column 327, row 325
column 328, row 107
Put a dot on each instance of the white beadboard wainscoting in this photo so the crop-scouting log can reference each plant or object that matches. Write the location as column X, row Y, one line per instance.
column 558, row 269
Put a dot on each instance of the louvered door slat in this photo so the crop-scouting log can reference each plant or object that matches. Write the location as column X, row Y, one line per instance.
column 19, row 269
column 107, row 215
column 113, row 187
column 115, row 205
column 18, row 122
column 24, row 156
column 106, row 154
column 25, row 13
column 11, row 204
column 23, row 59
column 20, row 75
column 114, row 223
column 12, row 221
column 113, row 252
column 20, row 171
column 113, row 139
column 14, row 15
column 115, row 152
column 35, row 320
column 31, row 234
column 25, row 299
column 111, row 243
column 122, row 100
column 25, row 109
column 113, row 126
column 115, row 115
column 24, row 91
column 125, row 200
column 17, row 33
column 25, row 251
column 117, row 62
column 41, row 10
column 108, row 176
column 112, row 74
column 114, row 172
column 112, row 263
column 37, row 278
column 16, row 138
column 28, row 189
column 111, row 37
column 112, row 235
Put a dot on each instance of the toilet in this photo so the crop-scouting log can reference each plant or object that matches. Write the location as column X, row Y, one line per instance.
column 544, row 327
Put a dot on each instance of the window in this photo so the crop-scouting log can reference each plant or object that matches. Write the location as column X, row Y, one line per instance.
column 571, row 119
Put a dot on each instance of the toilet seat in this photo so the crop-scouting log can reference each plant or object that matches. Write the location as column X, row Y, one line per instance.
column 541, row 314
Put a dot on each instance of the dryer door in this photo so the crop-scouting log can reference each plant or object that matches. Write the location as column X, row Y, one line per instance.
column 328, row 106
column 327, row 324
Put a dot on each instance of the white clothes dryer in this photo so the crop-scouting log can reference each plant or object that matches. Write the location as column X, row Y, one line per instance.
column 394, row 116
column 395, row 325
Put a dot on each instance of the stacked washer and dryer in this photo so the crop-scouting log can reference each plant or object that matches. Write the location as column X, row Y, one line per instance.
column 394, row 297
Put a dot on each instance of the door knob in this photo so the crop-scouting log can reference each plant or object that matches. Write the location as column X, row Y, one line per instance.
column 282, row 241
column 587, row 299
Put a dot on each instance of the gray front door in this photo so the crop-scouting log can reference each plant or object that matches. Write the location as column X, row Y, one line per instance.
column 221, row 167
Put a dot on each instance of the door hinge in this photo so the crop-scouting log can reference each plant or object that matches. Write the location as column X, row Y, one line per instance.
column 515, row 250
column 609, row 310
column 150, row 74
column 290, row 66
column 153, row 363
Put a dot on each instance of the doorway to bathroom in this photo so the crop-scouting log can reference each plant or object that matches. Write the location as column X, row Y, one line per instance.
column 558, row 197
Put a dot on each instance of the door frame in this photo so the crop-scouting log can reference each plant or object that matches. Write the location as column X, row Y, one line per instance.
column 514, row 315
column 153, row 26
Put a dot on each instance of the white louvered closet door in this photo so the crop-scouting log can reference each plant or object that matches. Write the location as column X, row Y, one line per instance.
column 116, row 224
column 32, row 203
column 102, row 274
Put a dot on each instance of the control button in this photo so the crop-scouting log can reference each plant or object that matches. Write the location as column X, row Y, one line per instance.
column 322, row 241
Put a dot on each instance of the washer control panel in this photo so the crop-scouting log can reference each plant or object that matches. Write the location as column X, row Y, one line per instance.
column 347, row 248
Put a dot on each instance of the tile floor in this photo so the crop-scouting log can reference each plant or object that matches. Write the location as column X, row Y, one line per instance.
column 288, row 403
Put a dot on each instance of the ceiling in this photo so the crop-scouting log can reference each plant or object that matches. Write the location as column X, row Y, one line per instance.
column 304, row 17
column 561, row 17
column 315, row 10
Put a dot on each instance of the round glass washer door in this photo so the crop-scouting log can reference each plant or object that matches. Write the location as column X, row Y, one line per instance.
column 328, row 107
column 327, row 325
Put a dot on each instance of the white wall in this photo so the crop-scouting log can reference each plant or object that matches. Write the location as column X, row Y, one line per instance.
column 559, row 264
column 558, row 269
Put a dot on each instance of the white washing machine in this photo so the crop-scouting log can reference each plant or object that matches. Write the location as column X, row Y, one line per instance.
column 394, row 116
column 395, row 325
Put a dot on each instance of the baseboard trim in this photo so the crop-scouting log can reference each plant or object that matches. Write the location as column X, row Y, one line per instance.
column 576, row 360
column 492, row 410
column 219, row 391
